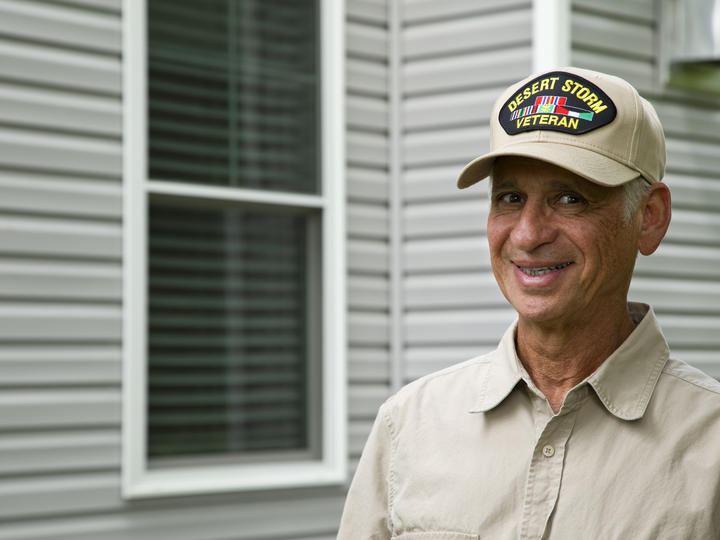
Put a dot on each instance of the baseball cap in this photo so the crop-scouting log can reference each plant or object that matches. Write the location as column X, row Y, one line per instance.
column 590, row 123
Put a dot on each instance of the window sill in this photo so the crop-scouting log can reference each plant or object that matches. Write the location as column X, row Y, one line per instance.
column 229, row 478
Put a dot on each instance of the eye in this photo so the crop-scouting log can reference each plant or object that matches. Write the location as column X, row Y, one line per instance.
column 570, row 198
column 512, row 197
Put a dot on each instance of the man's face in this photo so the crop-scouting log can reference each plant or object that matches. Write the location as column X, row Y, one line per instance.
column 560, row 249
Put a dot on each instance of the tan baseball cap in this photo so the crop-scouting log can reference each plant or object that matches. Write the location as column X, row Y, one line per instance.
column 592, row 124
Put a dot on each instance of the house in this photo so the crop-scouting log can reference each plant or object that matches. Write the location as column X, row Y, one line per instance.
column 195, row 260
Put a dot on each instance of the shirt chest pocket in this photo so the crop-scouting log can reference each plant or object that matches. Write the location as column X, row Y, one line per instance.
column 435, row 535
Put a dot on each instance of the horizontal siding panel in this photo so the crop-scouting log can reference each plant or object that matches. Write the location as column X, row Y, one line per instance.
column 47, row 195
column 366, row 77
column 367, row 149
column 456, row 217
column 370, row 221
column 368, row 329
column 60, row 153
column 456, row 327
column 616, row 36
column 38, row 453
column 695, row 226
column 368, row 292
column 696, row 157
column 438, row 183
column 369, row 364
column 365, row 256
column 358, row 432
column 674, row 295
column 55, row 364
column 691, row 331
column 112, row 6
column 682, row 262
column 369, row 113
column 28, row 497
column 640, row 73
column 367, row 184
column 71, row 70
column 684, row 120
column 447, row 255
column 366, row 41
column 55, row 110
column 62, row 27
column 365, row 400
column 420, row 361
column 445, row 37
column 60, row 238
column 372, row 11
column 417, row 11
column 61, row 281
column 447, row 146
column 492, row 68
column 458, row 108
column 692, row 191
column 73, row 408
column 638, row 9
column 59, row 323
column 190, row 519
column 453, row 291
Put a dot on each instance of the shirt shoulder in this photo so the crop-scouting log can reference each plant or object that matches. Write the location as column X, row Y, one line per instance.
column 686, row 373
column 456, row 386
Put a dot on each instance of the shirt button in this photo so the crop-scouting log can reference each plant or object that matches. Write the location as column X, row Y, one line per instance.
column 548, row 451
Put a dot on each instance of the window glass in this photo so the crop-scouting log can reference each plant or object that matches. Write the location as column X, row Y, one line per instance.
column 233, row 93
column 228, row 331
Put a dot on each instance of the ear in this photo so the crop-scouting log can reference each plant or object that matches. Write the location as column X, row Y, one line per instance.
column 656, row 214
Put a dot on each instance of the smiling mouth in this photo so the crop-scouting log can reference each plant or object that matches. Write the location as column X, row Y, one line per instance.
column 542, row 270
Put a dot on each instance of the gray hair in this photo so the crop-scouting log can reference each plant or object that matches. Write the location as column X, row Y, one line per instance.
column 634, row 191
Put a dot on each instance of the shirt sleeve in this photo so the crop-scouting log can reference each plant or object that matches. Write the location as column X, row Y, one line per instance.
column 367, row 507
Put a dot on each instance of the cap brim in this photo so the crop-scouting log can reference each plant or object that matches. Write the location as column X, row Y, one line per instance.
column 585, row 163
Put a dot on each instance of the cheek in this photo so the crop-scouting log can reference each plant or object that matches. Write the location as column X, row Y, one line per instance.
column 497, row 233
column 613, row 249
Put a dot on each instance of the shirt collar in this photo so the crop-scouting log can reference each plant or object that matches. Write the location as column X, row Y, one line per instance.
column 502, row 374
column 624, row 383
column 626, row 380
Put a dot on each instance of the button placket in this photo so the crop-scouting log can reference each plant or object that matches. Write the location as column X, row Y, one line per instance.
column 544, row 475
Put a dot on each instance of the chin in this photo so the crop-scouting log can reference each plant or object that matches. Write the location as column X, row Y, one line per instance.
column 538, row 310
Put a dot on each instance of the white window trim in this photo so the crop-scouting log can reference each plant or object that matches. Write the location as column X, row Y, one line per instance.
column 137, row 480
column 551, row 34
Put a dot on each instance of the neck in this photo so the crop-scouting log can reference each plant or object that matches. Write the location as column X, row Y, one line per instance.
column 558, row 357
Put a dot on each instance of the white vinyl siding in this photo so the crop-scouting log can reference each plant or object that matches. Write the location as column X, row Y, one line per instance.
column 60, row 261
column 682, row 279
column 457, row 57
column 61, row 301
column 367, row 118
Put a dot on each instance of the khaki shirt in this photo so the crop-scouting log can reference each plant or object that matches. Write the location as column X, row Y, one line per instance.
column 475, row 451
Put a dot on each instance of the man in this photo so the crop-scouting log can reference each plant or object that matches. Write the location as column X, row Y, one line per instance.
column 579, row 425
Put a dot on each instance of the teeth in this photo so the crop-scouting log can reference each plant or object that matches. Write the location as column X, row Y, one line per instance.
column 543, row 269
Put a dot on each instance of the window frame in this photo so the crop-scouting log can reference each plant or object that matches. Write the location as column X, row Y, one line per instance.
column 138, row 480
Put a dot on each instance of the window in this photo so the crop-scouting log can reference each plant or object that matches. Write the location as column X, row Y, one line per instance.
column 234, row 330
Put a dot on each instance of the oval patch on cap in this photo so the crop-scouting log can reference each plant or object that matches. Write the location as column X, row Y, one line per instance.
column 557, row 101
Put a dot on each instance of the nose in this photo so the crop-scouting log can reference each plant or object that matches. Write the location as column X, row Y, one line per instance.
column 534, row 227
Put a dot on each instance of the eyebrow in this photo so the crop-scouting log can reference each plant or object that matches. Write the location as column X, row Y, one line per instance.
column 501, row 183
